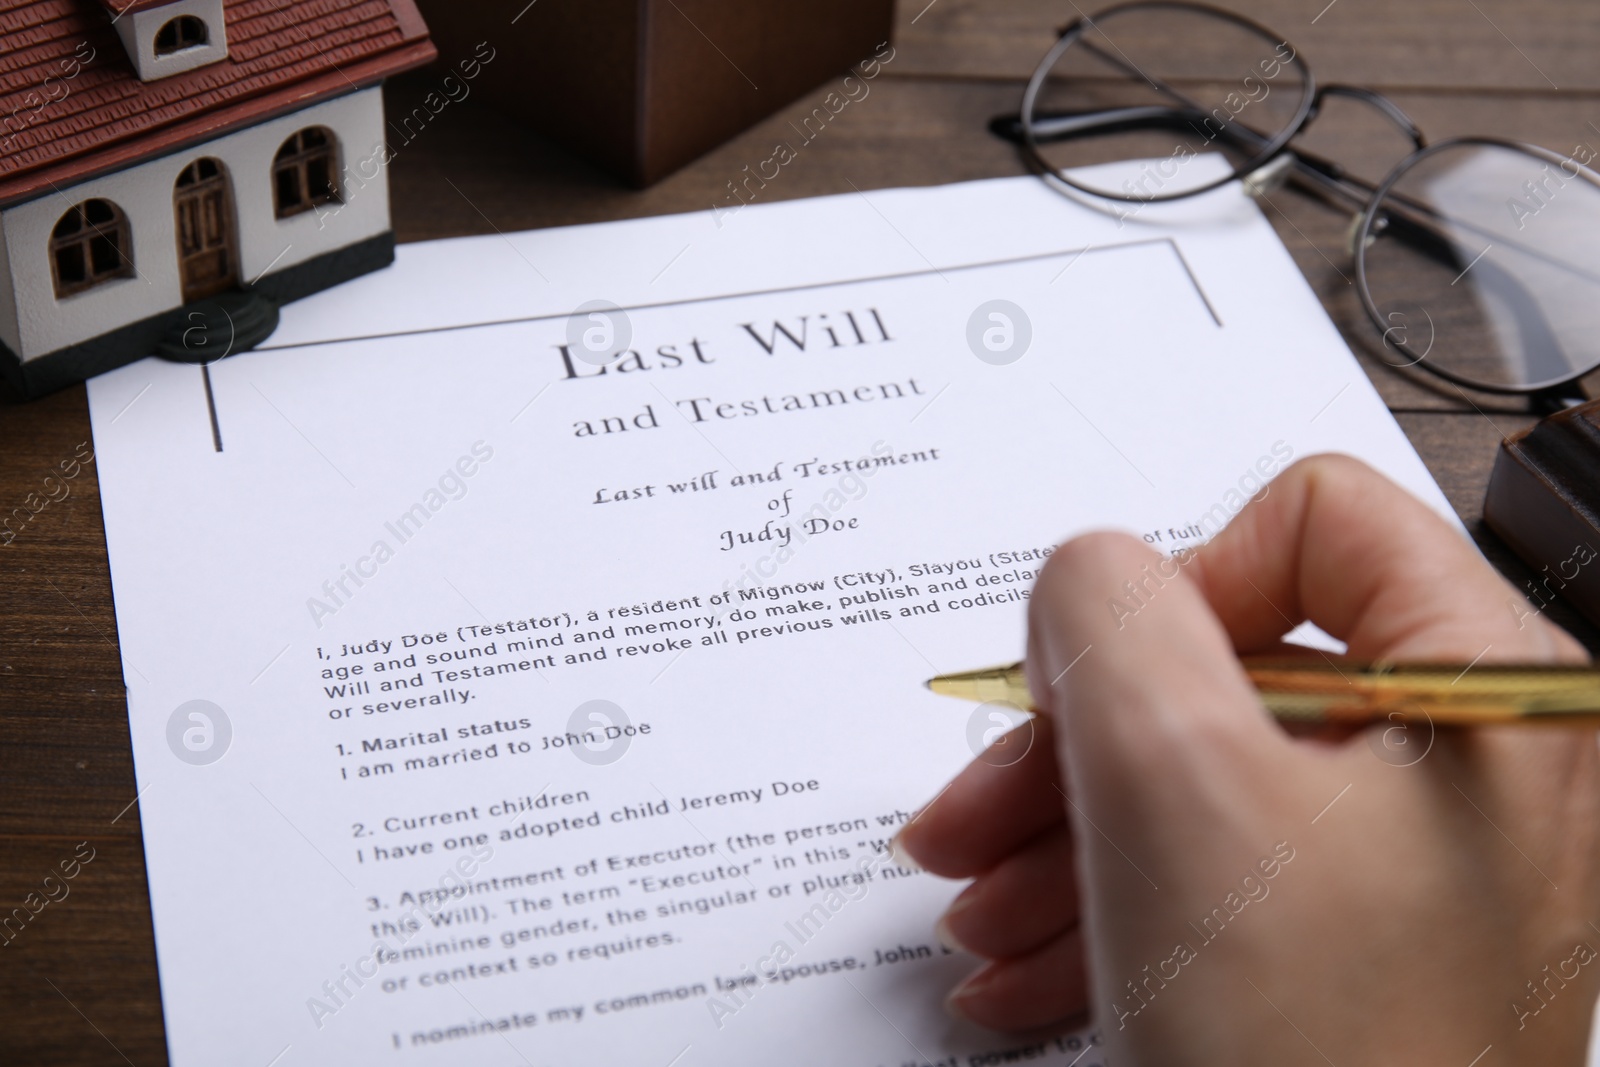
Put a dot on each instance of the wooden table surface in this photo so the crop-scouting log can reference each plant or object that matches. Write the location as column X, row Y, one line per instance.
column 78, row 985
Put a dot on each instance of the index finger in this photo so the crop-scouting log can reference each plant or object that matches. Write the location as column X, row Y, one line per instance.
column 1335, row 542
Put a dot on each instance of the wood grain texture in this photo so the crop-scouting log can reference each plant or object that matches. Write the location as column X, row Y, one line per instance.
column 78, row 984
column 1538, row 45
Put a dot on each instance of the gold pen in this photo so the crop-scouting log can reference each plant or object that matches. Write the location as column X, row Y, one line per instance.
column 1348, row 692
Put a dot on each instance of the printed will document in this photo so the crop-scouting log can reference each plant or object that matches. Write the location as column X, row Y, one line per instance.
column 524, row 650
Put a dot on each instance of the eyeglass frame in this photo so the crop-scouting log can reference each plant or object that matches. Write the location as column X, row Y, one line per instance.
column 1321, row 177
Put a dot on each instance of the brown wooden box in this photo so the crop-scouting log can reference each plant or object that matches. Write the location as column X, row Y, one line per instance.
column 1544, row 501
column 642, row 87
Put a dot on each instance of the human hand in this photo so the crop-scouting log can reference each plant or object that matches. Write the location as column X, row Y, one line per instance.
column 1211, row 890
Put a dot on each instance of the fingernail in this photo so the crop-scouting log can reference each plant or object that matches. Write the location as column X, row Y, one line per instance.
column 941, row 930
column 975, row 985
column 898, row 853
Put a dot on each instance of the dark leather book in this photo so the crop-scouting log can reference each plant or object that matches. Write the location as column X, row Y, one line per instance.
column 1544, row 501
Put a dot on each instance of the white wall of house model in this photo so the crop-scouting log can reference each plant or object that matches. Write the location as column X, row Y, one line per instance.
column 34, row 321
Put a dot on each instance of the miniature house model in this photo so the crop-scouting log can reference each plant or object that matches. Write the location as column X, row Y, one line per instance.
column 163, row 156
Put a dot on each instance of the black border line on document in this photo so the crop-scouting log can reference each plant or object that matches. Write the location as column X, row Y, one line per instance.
column 1038, row 257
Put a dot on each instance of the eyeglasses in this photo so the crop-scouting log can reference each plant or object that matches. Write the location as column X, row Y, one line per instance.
column 1477, row 259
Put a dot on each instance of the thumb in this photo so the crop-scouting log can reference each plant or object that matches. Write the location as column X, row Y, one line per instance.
column 1140, row 677
column 1160, row 734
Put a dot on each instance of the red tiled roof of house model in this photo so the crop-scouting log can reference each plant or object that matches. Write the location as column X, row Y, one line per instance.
column 71, row 105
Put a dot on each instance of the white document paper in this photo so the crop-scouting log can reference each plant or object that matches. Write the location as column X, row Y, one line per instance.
column 489, row 708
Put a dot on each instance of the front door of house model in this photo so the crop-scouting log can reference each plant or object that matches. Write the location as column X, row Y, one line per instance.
column 208, row 261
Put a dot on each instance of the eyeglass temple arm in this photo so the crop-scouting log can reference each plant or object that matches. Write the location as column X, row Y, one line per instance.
column 1316, row 175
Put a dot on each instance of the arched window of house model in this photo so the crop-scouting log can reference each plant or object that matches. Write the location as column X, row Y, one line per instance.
column 305, row 172
column 175, row 35
column 90, row 244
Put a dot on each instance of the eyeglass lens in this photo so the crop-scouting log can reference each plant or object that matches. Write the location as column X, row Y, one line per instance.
column 1484, row 260
column 1238, row 88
